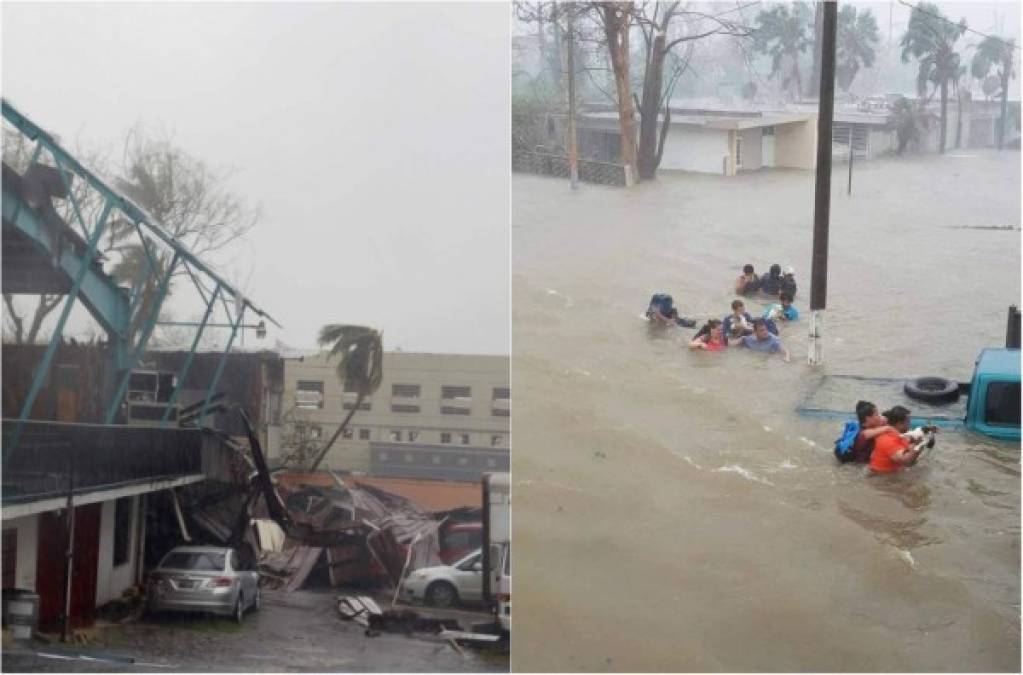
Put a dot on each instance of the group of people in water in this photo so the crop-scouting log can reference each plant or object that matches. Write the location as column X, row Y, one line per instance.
column 883, row 441
column 739, row 329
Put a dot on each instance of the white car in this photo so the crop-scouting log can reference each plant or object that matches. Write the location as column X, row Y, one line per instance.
column 447, row 585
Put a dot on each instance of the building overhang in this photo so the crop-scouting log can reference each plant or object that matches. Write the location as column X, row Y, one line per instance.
column 93, row 496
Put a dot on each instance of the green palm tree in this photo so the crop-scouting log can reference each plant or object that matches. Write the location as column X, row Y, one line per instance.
column 993, row 51
column 857, row 40
column 360, row 366
column 784, row 35
column 930, row 38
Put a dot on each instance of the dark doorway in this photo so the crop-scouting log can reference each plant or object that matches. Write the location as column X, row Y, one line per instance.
column 50, row 566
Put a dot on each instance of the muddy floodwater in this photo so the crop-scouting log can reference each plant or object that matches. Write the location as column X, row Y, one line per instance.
column 672, row 511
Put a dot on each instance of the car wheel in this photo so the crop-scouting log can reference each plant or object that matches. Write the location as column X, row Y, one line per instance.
column 258, row 602
column 239, row 608
column 933, row 390
column 441, row 594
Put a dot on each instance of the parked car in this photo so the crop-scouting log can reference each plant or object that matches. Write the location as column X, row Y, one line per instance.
column 447, row 585
column 203, row 579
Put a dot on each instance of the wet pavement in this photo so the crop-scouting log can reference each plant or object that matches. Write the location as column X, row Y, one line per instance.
column 293, row 632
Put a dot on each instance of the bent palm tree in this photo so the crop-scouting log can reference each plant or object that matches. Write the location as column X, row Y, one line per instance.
column 361, row 366
column 930, row 38
column 857, row 41
column 993, row 51
column 782, row 35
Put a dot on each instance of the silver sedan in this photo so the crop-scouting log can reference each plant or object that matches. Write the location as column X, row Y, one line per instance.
column 203, row 579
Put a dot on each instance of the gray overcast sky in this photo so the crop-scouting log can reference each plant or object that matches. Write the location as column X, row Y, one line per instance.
column 375, row 136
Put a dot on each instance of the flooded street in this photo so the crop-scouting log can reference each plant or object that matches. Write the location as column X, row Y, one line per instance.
column 672, row 510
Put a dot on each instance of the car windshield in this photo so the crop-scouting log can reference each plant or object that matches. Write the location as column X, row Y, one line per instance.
column 194, row 560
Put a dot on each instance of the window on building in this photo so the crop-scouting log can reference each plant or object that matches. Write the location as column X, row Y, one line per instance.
column 122, row 530
column 413, row 436
column 1002, row 404
column 401, row 408
column 768, row 131
column 405, row 390
column 454, row 410
column 363, row 434
column 496, row 440
column 348, row 434
column 309, row 394
column 502, row 392
column 451, row 391
column 314, row 431
column 351, row 395
column 500, row 412
column 445, row 437
column 464, row 439
column 395, row 436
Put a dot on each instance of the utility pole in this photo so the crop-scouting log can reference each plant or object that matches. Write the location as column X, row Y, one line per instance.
column 573, row 140
column 822, row 191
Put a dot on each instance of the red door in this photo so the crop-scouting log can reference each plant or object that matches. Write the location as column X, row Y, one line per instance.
column 50, row 565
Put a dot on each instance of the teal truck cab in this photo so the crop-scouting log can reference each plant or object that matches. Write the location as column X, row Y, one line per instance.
column 993, row 407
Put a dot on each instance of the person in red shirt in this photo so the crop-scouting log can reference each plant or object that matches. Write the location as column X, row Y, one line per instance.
column 891, row 450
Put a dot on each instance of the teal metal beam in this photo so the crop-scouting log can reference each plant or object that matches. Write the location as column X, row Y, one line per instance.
column 44, row 366
column 147, row 330
column 130, row 209
column 101, row 295
column 220, row 366
column 191, row 354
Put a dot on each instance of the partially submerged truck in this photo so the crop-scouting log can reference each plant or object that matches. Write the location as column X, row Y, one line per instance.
column 497, row 546
column 988, row 404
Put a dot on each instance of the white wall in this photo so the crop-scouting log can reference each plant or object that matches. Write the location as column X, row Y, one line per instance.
column 695, row 149
column 752, row 149
column 28, row 547
column 112, row 581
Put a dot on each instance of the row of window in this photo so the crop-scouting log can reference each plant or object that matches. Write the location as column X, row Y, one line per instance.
column 315, row 432
column 309, row 395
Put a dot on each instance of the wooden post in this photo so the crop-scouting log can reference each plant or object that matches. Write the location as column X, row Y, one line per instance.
column 822, row 193
column 848, row 189
column 69, row 551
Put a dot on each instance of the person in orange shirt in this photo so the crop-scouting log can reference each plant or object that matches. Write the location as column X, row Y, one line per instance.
column 892, row 450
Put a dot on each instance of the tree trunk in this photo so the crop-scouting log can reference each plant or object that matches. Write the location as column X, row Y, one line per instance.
column 19, row 324
column 616, row 28
column 653, row 83
column 1005, row 108
column 959, row 118
column 818, row 27
column 944, row 116
column 43, row 309
column 340, row 430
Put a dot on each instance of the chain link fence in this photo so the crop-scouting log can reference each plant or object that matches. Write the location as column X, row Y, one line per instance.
column 545, row 164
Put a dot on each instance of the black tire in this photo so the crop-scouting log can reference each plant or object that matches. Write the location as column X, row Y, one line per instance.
column 441, row 594
column 239, row 608
column 935, row 390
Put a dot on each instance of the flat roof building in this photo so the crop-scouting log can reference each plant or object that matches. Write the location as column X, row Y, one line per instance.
column 439, row 416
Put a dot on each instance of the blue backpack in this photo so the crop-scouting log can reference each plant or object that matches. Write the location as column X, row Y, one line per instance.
column 844, row 444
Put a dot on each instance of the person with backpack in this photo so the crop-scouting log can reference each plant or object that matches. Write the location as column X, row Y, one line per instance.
column 857, row 441
column 788, row 283
column 662, row 311
column 771, row 284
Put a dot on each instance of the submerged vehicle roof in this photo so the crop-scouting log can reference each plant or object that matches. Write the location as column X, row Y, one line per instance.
column 999, row 361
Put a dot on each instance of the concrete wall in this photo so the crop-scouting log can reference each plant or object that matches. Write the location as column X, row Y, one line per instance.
column 28, row 547
column 795, row 144
column 695, row 149
column 752, row 149
column 112, row 581
column 431, row 372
